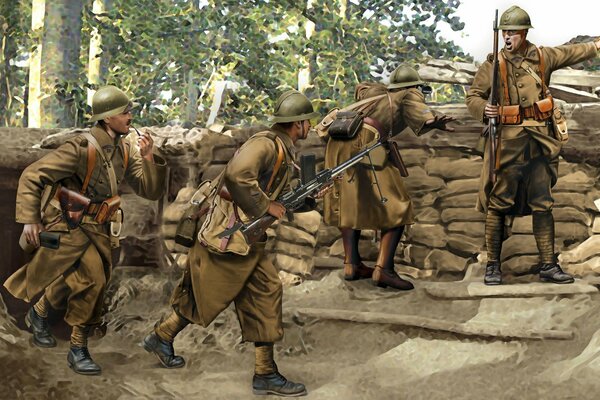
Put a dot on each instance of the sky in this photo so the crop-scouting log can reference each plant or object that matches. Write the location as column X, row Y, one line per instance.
column 554, row 21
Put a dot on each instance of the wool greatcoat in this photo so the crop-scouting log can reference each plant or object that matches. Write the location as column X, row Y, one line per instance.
column 529, row 151
column 239, row 273
column 354, row 201
column 80, row 268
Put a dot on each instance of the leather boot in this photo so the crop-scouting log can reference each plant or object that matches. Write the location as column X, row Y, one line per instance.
column 353, row 266
column 553, row 273
column 384, row 274
column 41, row 331
column 277, row 384
column 493, row 274
column 163, row 350
column 80, row 361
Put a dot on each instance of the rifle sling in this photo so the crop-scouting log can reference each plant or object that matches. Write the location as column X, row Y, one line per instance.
column 107, row 163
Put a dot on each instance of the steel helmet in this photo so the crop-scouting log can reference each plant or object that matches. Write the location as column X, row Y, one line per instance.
column 404, row 76
column 109, row 101
column 293, row 106
column 515, row 18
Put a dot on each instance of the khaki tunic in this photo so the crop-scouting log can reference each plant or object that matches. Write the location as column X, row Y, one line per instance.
column 529, row 154
column 354, row 201
column 213, row 280
column 82, row 264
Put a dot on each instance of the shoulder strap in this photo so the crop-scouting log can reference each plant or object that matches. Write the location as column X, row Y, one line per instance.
column 280, row 155
column 504, row 76
column 363, row 102
column 91, row 164
column 112, row 177
column 542, row 70
column 125, row 148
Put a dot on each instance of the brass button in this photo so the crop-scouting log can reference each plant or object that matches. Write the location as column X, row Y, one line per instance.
column 520, row 85
column 517, row 74
column 523, row 99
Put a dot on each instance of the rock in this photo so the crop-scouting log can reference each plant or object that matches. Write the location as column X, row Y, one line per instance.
column 575, row 200
column 570, row 233
column 419, row 181
column 596, row 226
column 308, row 221
column 452, row 169
column 291, row 234
column 294, row 265
column 586, row 250
column 415, row 255
column 368, row 250
column 467, row 200
column 426, row 234
column 575, row 182
column 520, row 265
column 443, row 260
column 522, row 225
column 293, row 249
column 415, row 157
column 428, row 215
column 589, row 267
column 416, row 273
column 473, row 229
column 327, row 235
column 465, row 246
column 568, row 214
column 462, row 215
column 518, row 245
column 288, row 279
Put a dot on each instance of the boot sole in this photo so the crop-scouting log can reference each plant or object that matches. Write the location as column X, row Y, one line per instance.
column 149, row 349
column 83, row 372
column 492, row 283
column 546, row 280
column 268, row 392
column 35, row 342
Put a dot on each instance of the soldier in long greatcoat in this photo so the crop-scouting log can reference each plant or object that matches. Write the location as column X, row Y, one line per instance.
column 528, row 145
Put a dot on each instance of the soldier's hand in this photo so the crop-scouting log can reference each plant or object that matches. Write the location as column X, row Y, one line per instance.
column 440, row 122
column 32, row 233
column 491, row 111
column 276, row 209
column 146, row 144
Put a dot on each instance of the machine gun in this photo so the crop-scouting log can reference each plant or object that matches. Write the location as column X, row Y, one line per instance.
column 492, row 127
column 293, row 200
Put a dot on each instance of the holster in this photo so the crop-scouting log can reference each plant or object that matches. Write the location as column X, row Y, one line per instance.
column 73, row 206
column 510, row 115
column 346, row 125
column 107, row 209
column 396, row 158
column 543, row 108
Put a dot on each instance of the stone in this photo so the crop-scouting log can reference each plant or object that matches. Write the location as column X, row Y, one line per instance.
column 465, row 246
column 415, row 255
column 426, row 234
column 462, row 215
column 467, row 200
column 460, row 186
column 308, row 221
column 472, row 290
column 293, row 249
column 443, row 260
column 518, row 245
column 569, row 214
column 294, row 265
column 327, row 235
column 522, row 225
column 569, row 233
column 428, row 215
column 520, row 265
column 415, row 157
column 291, row 234
column 452, row 169
column 596, row 226
column 575, row 200
column 419, row 181
column 586, row 250
column 472, row 229
column 575, row 182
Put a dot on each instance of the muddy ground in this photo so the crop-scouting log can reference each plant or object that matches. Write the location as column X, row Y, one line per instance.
column 335, row 359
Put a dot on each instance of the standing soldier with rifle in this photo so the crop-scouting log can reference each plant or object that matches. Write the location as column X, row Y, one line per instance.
column 372, row 195
column 227, row 268
column 521, row 160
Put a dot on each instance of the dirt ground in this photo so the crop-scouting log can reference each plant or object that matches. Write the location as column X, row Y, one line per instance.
column 335, row 359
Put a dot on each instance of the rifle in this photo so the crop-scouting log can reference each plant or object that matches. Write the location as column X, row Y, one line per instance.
column 292, row 200
column 493, row 122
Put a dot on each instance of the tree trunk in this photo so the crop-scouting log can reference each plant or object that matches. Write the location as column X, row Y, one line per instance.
column 98, row 60
column 61, row 42
column 34, row 119
column 191, row 107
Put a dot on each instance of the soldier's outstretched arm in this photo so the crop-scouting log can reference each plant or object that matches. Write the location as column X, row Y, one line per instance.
column 563, row 56
column 146, row 172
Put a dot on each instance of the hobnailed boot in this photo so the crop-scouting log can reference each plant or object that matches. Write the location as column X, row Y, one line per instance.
column 353, row 266
column 163, row 350
column 553, row 273
column 493, row 274
column 41, row 331
column 277, row 384
column 80, row 361
column 384, row 274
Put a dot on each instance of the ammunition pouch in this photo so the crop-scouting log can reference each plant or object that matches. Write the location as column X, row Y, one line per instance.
column 510, row 115
column 189, row 225
column 107, row 209
column 543, row 108
column 73, row 206
column 346, row 125
column 559, row 125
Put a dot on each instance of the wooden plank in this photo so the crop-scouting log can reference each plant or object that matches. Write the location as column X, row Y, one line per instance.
column 571, row 95
column 471, row 290
column 461, row 328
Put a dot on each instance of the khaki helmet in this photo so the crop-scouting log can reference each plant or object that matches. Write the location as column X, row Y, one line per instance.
column 404, row 76
column 515, row 18
column 109, row 101
column 293, row 106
